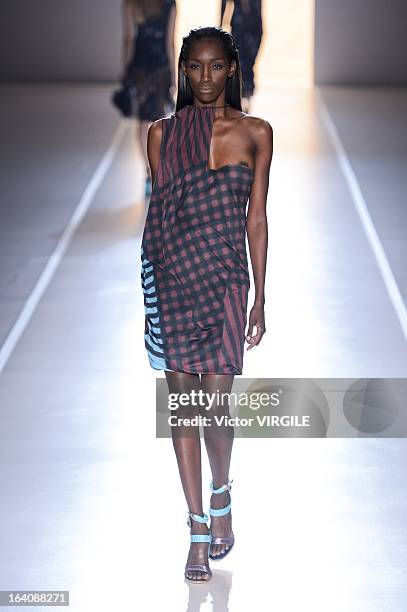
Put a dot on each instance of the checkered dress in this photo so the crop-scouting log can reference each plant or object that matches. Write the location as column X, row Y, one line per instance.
column 194, row 271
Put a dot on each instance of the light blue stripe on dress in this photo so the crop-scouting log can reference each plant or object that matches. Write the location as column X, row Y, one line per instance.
column 152, row 339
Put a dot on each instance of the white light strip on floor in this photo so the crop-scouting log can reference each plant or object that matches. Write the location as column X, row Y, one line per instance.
column 365, row 218
column 58, row 253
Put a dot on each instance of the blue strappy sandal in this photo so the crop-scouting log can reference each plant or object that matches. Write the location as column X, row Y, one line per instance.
column 198, row 538
column 229, row 540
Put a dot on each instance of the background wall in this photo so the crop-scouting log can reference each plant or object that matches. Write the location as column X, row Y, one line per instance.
column 76, row 40
column 361, row 42
column 50, row 40
column 356, row 41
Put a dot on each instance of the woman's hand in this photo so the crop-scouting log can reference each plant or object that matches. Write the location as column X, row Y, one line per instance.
column 256, row 318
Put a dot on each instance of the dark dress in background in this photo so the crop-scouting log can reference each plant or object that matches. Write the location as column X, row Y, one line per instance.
column 247, row 30
column 149, row 67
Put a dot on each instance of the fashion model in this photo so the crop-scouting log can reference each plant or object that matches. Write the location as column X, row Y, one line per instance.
column 246, row 27
column 148, row 61
column 207, row 160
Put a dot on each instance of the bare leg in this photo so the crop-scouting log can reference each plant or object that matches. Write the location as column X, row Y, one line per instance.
column 187, row 446
column 219, row 443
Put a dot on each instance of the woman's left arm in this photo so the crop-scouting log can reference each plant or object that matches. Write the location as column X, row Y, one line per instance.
column 256, row 225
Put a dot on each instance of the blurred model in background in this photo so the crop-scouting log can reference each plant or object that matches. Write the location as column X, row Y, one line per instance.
column 148, row 59
column 247, row 30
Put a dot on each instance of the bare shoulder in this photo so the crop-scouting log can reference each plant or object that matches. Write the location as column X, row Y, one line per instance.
column 154, row 136
column 260, row 130
column 155, row 130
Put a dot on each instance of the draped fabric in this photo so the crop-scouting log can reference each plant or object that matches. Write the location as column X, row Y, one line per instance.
column 194, row 275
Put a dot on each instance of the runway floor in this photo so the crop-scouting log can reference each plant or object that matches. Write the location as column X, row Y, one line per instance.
column 90, row 500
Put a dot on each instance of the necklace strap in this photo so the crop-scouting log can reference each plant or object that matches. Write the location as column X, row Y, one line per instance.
column 197, row 106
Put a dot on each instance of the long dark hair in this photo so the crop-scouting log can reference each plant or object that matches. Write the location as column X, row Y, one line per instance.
column 233, row 88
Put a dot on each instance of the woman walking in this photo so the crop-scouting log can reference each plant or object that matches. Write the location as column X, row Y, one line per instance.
column 206, row 160
column 247, row 30
column 148, row 62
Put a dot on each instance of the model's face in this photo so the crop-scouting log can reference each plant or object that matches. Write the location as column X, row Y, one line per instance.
column 207, row 70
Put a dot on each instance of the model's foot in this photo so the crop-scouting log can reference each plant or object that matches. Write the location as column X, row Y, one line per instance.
column 221, row 526
column 198, row 553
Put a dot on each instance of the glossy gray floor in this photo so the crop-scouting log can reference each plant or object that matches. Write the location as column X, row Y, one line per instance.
column 90, row 500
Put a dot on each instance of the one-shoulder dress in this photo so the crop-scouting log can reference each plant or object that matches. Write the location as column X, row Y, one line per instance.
column 194, row 269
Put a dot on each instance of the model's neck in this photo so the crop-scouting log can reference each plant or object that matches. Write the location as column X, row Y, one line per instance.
column 209, row 106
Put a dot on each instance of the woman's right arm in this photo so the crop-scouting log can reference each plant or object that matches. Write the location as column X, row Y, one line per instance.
column 129, row 32
column 154, row 136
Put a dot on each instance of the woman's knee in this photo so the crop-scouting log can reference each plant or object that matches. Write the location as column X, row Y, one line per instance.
column 184, row 389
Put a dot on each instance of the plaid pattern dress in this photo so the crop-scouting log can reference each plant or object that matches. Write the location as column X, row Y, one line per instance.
column 194, row 271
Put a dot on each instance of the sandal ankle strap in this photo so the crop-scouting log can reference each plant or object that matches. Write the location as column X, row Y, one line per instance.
column 220, row 511
column 200, row 518
column 197, row 537
column 225, row 487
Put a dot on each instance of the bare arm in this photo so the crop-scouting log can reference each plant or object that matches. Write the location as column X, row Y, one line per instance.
column 154, row 136
column 222, row 12
column 129, row 32
column 256, row 225
column 171, row 42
